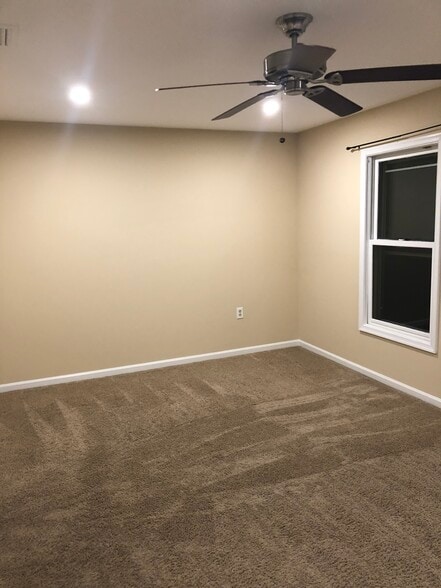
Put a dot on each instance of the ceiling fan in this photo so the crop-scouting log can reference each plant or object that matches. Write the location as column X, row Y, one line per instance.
column 302, row 70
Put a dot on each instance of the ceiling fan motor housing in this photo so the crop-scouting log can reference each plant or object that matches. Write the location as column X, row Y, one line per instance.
column 304, row 62
column 283, row 65
column 301, row 63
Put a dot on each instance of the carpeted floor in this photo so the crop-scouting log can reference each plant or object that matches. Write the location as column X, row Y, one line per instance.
column 278, row 469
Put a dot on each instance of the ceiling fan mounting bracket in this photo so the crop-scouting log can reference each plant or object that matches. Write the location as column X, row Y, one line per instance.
column 334, row 78
column 294, row 24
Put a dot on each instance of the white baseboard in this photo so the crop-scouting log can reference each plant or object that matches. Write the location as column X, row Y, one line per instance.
column 153, row 365
column 397, row 385
column 141, row 367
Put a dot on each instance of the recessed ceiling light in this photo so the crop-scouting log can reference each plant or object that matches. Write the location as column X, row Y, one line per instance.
column 271, row 107
column 80, row 95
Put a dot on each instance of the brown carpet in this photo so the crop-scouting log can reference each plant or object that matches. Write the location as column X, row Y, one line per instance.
column 274, row 469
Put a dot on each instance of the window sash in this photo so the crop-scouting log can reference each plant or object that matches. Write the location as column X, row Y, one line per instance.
column 370, row 283
column 376, row 184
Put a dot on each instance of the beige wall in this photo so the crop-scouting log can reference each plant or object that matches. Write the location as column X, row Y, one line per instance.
column 120, row 246
column 328, row 240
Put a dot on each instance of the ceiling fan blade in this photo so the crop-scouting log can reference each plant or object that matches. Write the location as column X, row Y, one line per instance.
column 329, row 99
column 399, row 73
column 251, row 83
column 246, row 104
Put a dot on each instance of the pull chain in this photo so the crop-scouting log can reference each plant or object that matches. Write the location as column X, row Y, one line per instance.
column 282, row 138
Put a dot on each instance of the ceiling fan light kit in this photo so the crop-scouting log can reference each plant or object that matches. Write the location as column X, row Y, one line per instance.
column 301, row 70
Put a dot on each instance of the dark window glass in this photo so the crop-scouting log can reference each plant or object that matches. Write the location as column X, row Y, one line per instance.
column 401, row 286
column 406, row 198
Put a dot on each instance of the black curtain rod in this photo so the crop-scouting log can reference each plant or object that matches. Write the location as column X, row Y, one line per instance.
column 386, row 139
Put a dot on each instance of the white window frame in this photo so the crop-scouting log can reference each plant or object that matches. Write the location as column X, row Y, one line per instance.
column 370, row 159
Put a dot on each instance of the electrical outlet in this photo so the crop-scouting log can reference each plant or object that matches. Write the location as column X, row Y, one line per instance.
column 239, row 312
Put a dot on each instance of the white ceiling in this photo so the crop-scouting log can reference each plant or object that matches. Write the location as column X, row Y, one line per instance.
column 126, row 48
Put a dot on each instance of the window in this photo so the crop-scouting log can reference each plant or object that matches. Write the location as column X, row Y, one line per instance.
column 400, row 240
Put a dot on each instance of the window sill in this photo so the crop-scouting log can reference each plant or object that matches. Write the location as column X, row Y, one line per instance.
column 418, row 341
